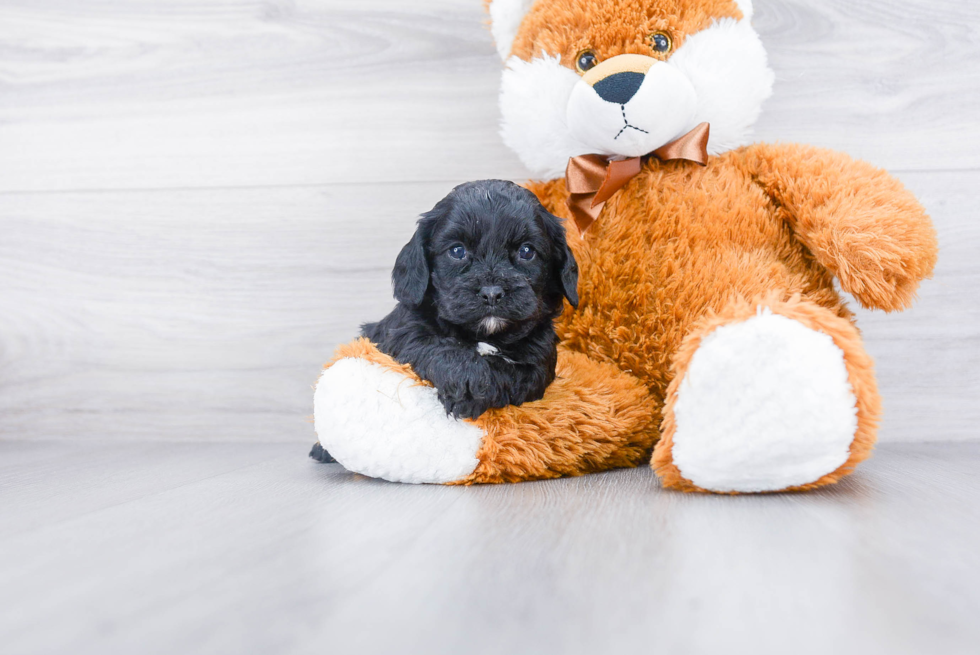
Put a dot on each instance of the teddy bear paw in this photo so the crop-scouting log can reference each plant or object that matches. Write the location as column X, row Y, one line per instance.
column 381, row 423
column 765, row 404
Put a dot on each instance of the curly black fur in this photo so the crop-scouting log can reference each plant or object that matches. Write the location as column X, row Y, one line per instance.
column 490, row 299
column 450, row 304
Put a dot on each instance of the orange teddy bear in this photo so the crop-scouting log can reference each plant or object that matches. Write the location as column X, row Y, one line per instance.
column 709, row 330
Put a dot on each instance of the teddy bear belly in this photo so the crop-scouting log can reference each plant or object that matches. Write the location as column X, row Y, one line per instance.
column 642, row 291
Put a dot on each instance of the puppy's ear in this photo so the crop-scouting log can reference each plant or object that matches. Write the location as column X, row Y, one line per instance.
column 566, row 268
column 569, row 276
column 410, row 277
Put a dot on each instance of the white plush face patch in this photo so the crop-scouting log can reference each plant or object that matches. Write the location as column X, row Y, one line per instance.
column 719, row 75
column 631, row 113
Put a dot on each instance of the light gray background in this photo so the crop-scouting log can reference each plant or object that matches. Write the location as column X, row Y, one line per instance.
column 200, row 198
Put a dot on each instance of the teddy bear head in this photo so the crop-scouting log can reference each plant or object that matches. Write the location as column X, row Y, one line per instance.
column 624, row 77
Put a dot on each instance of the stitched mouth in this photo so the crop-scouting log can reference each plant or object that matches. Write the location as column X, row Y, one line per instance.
column 626, row 125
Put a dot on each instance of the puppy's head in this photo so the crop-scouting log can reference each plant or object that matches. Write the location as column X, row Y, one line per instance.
column 489, row 259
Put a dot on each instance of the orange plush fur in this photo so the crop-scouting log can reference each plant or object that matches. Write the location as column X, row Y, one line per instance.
column 589, row 420
column 682, row 250
column 860, row 371
column 680, row 241
column 612, row 27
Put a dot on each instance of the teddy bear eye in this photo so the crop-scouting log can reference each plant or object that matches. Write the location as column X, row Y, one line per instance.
column 585, row 60
column 660, row 42
column 457, row 252
column 526, row 252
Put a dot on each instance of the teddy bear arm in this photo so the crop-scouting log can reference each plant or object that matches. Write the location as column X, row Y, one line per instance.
column 593, row 417
column 858, row 221
column 376, row 417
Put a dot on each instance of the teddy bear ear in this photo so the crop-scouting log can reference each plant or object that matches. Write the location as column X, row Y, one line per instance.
column 505, row 20
column 745, row 6
column 506, row 17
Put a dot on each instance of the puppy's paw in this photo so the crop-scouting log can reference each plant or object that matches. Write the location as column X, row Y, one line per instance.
column 460, row 403
column 320, row 454
column 467, row 391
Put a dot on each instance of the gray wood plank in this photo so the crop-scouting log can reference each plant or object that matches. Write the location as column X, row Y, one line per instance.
column 50, row 482
column 189, row 315
column 206, row 314
column 619, row 566
column 287, row 556
column 896, row 83
column 129, row 94
column 928, row 357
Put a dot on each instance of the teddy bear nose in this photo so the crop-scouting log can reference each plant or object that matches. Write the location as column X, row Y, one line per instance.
column 491, row 294
column 619, row 87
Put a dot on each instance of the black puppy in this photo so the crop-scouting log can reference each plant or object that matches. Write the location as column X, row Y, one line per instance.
column 478, row 288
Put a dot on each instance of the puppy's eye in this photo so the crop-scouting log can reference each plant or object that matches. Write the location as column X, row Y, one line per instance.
column 660, row 42
column 457, row 252
column 586, row 60
column 526, row 252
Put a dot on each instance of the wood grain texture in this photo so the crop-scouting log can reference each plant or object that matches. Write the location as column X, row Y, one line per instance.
column 206, row 314
column 199, row 199
column 188, row 315
column 202, row 93
column 192, row 548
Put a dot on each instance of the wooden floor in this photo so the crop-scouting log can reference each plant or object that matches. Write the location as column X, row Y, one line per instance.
column 212, row 548
column 200, row 198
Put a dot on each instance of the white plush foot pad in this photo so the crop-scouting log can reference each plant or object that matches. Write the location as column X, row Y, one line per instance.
column 766, row 404
column 376, row 422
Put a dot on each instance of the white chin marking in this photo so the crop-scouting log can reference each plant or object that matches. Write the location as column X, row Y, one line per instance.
column 377, row 422
column 492, row 324
column 766, row 404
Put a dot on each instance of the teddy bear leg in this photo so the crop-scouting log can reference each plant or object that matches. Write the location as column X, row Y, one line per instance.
column 771, row 395
column 378, row 419
column 593, row 417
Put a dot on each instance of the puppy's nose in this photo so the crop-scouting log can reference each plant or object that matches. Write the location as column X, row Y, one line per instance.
column 491, row 295
column 619, row 88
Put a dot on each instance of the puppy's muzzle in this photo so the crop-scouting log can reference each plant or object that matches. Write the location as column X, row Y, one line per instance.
column 491, row 295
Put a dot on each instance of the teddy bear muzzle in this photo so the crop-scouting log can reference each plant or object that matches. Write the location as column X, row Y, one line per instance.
column 630, row 105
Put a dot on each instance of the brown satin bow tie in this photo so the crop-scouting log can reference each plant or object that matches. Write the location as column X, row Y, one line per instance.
column 591, row 180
